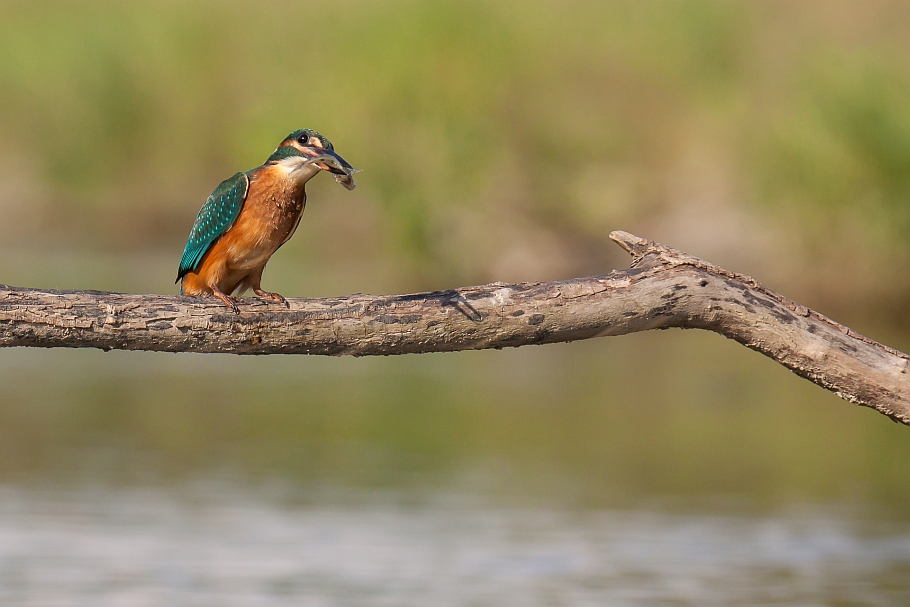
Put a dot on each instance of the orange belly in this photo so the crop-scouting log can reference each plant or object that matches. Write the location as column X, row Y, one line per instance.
column 269, row 217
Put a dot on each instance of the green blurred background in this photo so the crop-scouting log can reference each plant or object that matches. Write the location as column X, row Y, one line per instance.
column 500, row 140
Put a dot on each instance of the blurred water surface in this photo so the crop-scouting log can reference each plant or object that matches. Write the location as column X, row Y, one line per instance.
column 212, row 545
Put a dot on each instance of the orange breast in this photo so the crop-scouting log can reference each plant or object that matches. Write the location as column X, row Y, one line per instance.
column 269, row 217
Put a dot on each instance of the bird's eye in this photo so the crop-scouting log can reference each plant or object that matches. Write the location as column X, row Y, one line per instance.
column 304, row 140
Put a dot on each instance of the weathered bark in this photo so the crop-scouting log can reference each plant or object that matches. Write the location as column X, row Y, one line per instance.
column 664, row 288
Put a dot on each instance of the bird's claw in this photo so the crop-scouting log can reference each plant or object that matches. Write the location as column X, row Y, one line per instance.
column 275, row 296
column 229, row 302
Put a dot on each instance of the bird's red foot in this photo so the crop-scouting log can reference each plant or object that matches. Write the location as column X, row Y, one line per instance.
column 227, row 299
column 275, row 296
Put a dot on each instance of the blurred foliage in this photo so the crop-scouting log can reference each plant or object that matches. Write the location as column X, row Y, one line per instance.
column 500, row 140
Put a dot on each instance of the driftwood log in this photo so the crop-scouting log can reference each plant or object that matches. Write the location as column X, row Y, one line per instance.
column 663, row 288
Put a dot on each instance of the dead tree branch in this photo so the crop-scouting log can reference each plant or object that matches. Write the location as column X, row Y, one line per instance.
column 664, row 288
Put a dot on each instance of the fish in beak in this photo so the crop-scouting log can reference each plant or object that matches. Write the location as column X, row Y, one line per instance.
column 328, row 160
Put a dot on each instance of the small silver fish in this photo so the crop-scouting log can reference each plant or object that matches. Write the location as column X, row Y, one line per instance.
column 347, row 180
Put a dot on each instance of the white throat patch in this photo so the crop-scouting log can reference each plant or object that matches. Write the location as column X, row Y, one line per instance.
column 296, row 167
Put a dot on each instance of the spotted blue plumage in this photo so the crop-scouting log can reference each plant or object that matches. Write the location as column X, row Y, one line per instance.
column 217, row 215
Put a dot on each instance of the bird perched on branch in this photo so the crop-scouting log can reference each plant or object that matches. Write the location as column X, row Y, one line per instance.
column 251, row 214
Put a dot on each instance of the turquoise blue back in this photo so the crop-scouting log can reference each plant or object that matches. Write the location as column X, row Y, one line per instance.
column 217, row 215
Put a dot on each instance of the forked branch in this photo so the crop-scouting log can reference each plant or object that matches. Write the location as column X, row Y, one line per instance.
column 664, row 288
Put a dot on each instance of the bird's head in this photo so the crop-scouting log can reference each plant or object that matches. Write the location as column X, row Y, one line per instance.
column 305, row 152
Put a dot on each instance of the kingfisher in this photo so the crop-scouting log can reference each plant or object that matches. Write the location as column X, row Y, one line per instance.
column 250, row 215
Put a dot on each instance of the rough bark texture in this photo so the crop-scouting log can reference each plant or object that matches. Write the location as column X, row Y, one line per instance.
column 663, row 288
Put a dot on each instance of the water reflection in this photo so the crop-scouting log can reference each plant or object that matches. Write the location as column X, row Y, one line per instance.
column 205, row 545
column 601, row 424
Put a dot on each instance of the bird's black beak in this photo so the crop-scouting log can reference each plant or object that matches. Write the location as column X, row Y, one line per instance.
column 328, row 160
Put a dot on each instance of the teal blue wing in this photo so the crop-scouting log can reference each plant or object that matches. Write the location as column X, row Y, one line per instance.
column 217, row 215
